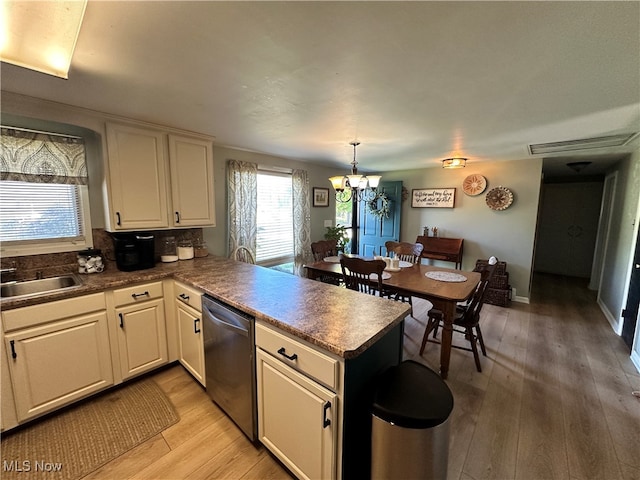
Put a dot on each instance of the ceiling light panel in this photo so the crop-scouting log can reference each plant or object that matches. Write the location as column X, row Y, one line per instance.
column 40, row 35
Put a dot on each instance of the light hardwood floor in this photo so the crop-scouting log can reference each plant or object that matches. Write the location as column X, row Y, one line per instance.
column 553, row 401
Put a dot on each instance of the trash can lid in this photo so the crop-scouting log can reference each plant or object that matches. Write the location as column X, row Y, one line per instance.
column 412, row 395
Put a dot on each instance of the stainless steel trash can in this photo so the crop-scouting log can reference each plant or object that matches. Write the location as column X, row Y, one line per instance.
column 410, row 424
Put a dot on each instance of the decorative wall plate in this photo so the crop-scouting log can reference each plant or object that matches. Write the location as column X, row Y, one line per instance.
column 499, row 198
column 474, row 184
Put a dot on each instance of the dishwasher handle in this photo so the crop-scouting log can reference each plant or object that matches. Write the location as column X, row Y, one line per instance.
column 210, row 316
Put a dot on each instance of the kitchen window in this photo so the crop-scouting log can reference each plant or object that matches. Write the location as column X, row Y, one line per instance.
column 43, row 193
column 275, row 220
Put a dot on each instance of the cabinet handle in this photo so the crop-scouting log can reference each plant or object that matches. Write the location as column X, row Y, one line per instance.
column 118, row 222
column 177, row 217
column 282, row 352
column 121, row 320
column 13, row 349
column 184, row 297
column 196, row 323
column 136, row 295
column 325, row 421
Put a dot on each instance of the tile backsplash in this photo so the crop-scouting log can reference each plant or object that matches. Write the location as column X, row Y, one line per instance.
column 51, row 264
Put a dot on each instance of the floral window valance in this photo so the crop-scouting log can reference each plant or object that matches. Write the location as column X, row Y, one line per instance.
column 36, row 157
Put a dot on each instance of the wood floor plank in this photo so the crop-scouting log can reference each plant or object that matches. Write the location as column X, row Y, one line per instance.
column 493, row 449
column 541, row 440
column 590, row 450
column 190, row 455
column 267, row 468
column 618, row 406
column 131, row 462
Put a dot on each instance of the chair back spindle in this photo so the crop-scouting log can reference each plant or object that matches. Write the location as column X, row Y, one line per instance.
column 356, row 273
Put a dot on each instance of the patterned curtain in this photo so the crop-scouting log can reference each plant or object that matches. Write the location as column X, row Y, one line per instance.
column 28, row 156
column 301, row 221
column 242, row 185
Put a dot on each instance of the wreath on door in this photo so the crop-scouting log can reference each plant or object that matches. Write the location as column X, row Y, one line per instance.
column 379, row 206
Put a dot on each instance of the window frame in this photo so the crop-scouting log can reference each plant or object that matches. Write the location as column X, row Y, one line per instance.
column 274, row 261
column 21, row 248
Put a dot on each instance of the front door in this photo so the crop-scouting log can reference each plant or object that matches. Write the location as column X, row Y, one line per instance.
column 375, row 231
column 630, row 313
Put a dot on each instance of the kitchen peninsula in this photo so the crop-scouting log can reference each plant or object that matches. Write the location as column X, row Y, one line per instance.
column 361, row 335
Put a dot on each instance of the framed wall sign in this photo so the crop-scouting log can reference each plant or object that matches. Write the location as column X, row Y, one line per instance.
column 433, row 197
column 320, row 197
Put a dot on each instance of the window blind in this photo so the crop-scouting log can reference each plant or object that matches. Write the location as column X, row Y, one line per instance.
column 274, row 219
column 37, row 212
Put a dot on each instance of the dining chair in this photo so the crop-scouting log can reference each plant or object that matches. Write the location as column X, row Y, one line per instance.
column 407, row 252
column 356, row 273
column 466, row 319
column 324, row 248
column 243, row 254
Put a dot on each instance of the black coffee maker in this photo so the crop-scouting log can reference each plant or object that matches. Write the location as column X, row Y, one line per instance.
column 134, row 251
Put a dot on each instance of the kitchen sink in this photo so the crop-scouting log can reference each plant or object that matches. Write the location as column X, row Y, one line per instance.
column 36, row 287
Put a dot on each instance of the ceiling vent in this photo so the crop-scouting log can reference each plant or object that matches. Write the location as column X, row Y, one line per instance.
column 582, row 144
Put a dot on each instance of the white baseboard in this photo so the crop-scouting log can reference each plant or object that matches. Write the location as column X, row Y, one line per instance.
column 635, row 358
column 518, row 299
column 615, row 323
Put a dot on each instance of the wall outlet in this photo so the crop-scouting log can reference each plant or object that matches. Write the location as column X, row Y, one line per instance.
column 328, row 223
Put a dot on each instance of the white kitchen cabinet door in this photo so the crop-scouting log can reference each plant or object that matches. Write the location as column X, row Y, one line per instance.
column 192, row 194
column 142, row 337
column 190, row 341
column 54, row 364
column 296, row 419
column 137, row 169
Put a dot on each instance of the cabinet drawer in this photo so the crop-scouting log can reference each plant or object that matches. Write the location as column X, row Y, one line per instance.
column 51, row 311
column 188, row 295
column 137, row 294
column 317, row 365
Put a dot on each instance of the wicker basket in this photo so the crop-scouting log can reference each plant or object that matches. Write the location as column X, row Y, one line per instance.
column 501, row 267
column 499, row 281
column 498, row 296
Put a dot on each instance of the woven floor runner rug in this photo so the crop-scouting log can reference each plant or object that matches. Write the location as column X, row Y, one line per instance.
column 78, row 440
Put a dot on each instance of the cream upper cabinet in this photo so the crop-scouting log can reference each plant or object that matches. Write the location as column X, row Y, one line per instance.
column 192, row 194
column 158, row 180
column 55, row 357
column 137, row 170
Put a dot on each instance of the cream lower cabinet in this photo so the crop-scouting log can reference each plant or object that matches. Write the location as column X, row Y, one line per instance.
column 190, row 338
column 141, row 328
column 55, row 356
column 298, row 418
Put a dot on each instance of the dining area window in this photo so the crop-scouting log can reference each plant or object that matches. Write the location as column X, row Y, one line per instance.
column 269, row 213
column 275, row 220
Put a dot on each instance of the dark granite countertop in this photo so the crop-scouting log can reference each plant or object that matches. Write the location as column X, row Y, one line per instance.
column 338, row 320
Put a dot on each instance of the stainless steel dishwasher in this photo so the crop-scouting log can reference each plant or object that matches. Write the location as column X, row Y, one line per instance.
column 229, row 355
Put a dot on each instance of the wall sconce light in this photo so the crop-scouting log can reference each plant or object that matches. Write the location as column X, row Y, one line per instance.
column 454, row 162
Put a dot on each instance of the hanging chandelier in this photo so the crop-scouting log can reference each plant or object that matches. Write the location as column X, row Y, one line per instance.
column 355, row 187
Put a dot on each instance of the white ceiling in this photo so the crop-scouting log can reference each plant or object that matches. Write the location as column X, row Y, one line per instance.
column 414, row 82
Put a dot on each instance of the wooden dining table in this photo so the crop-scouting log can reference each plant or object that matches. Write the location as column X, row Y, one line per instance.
column 444, row 295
